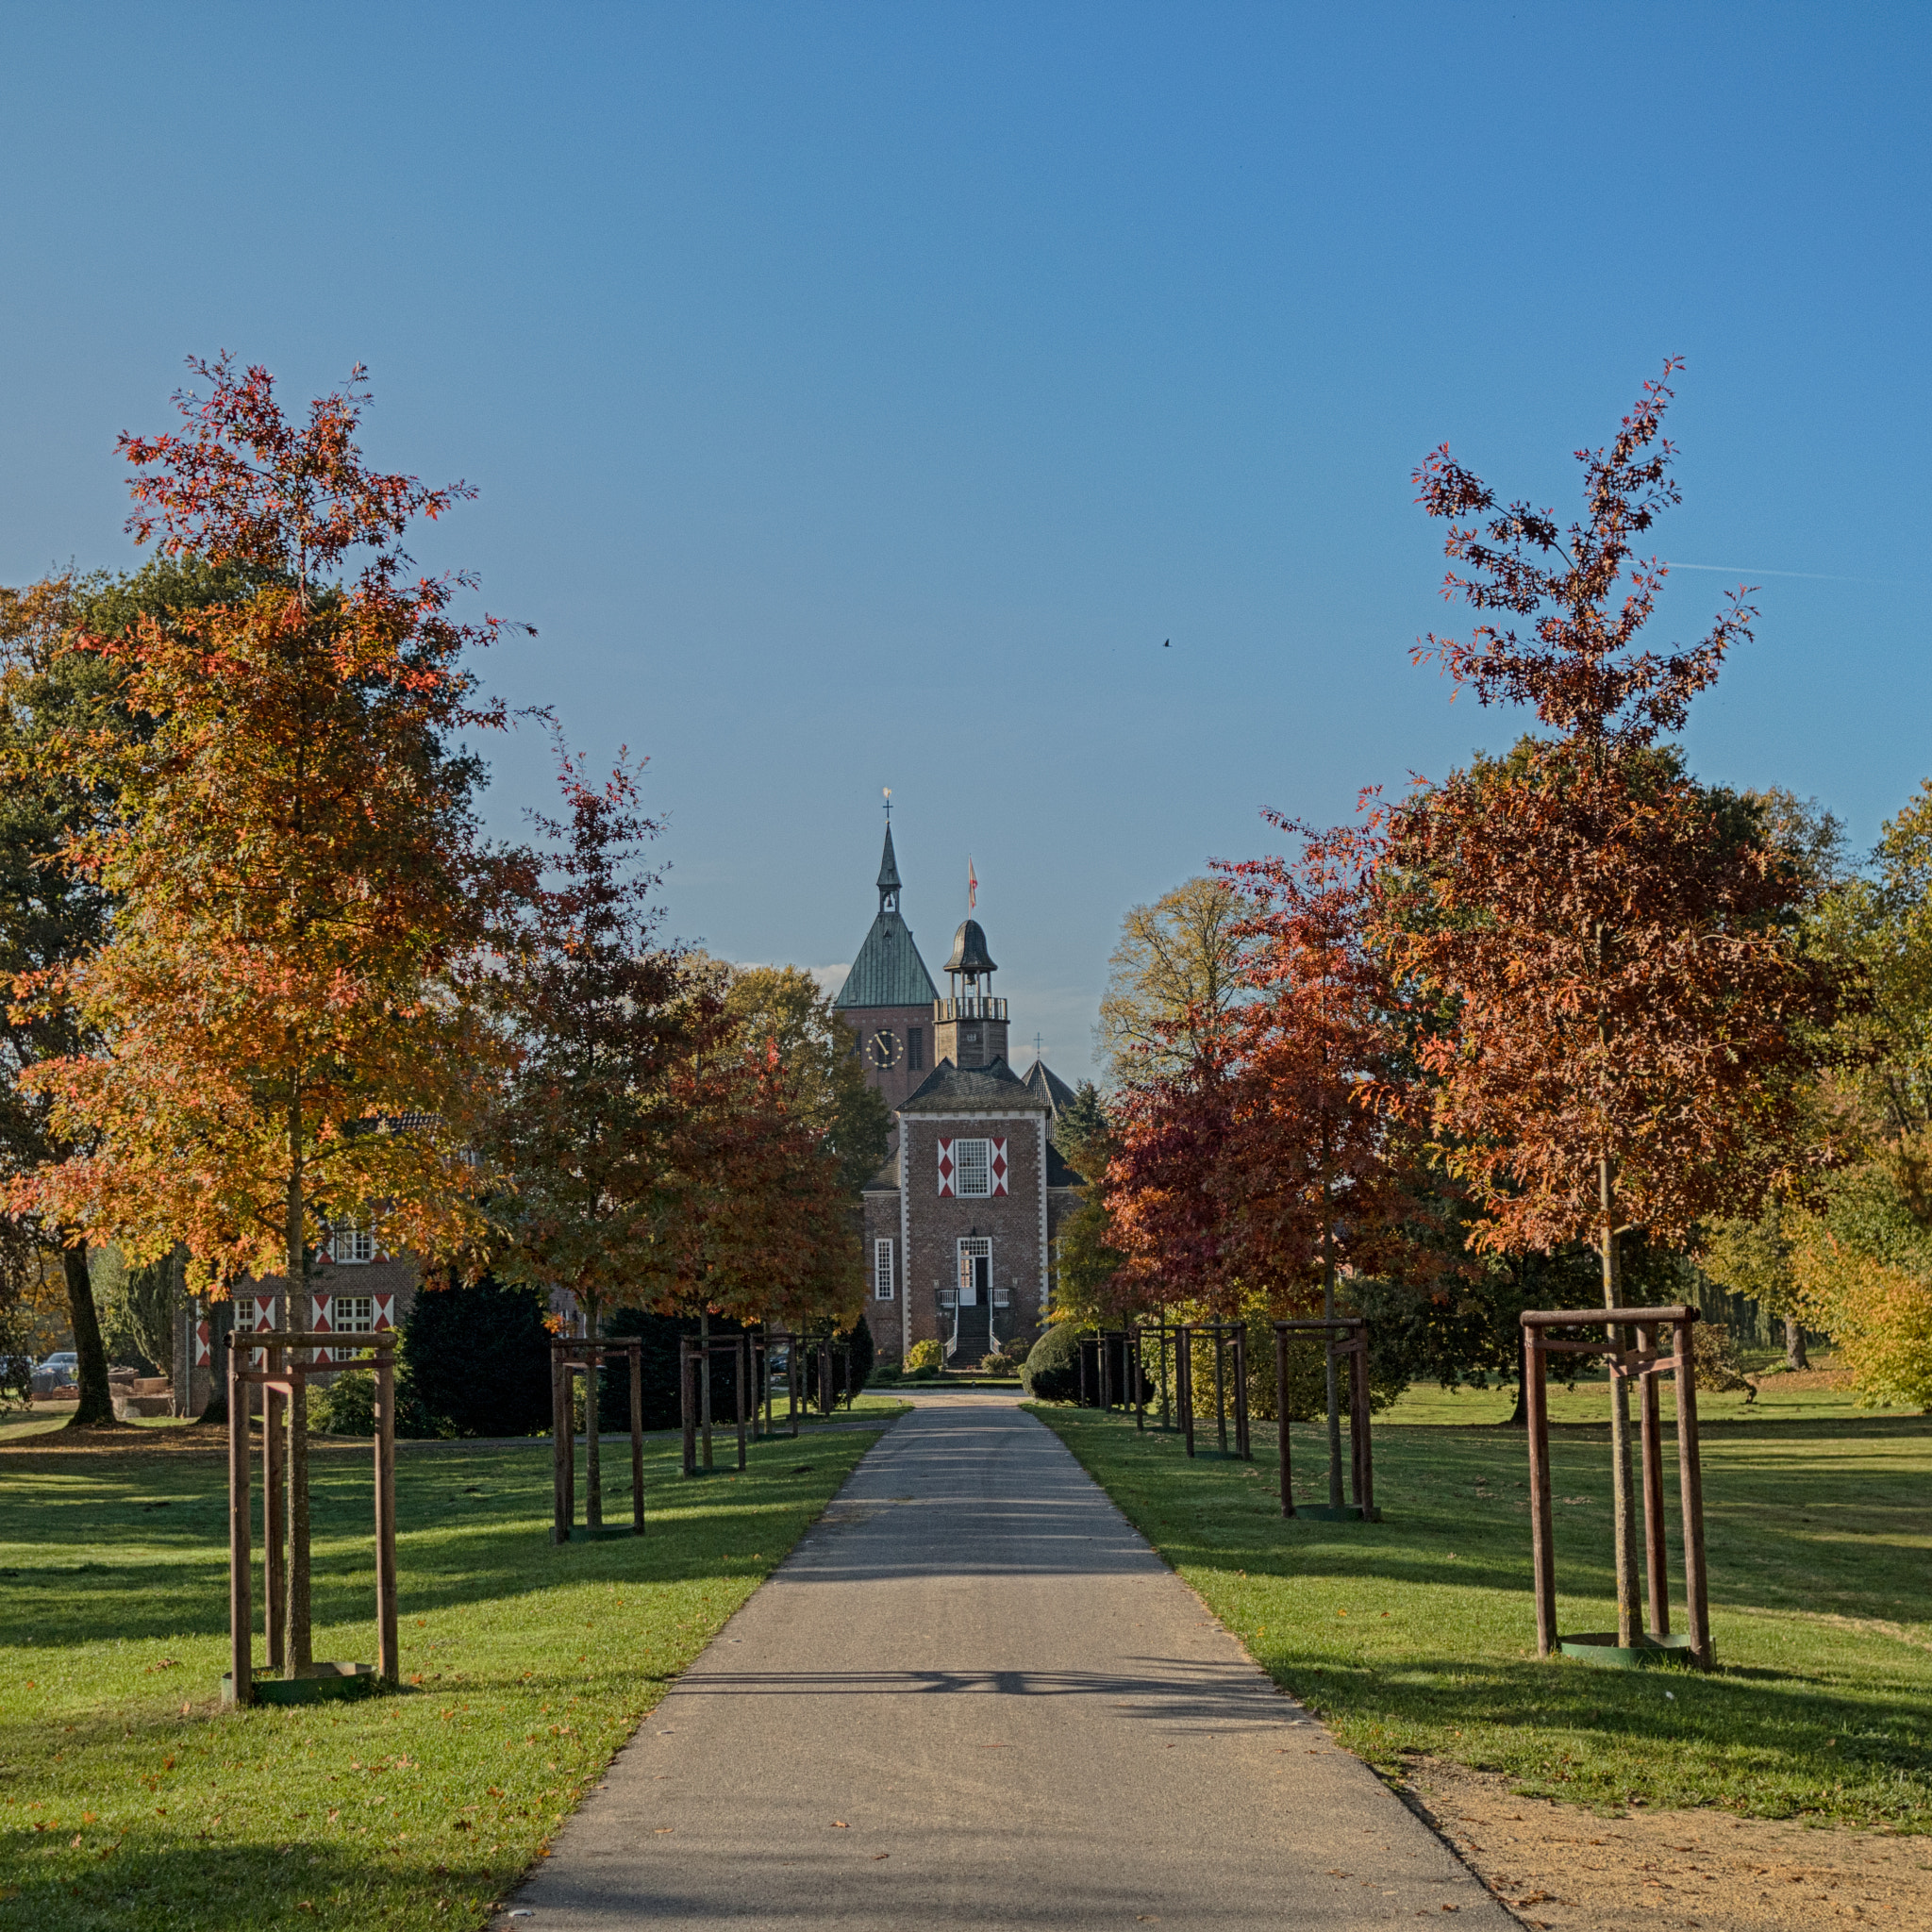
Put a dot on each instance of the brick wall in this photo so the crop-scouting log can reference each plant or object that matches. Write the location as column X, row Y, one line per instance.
column 935, row 1222
column 897, row 1081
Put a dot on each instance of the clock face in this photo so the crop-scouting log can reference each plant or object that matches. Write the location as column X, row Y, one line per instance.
column 882, row 1048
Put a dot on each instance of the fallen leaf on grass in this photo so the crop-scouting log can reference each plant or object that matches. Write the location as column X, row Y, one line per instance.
column 840, row 1824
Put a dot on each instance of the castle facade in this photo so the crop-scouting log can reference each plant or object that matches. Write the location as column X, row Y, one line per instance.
column 961, row 1221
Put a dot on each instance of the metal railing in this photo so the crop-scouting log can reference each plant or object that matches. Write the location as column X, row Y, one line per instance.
column 969, row 1009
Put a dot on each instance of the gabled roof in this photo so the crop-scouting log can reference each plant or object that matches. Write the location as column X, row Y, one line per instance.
column 992, row 1089
column 887, row 1180
column 889, row 971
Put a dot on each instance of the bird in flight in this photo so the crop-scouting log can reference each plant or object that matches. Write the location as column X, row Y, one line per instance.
column 1165, row 642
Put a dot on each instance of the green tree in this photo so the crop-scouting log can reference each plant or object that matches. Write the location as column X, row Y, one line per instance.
column 784, row 1006
column 1175, row 973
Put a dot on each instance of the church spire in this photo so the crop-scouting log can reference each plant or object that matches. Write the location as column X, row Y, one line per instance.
column 888, row 877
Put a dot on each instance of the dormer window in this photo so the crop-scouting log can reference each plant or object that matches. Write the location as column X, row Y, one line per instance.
column 351, row 1241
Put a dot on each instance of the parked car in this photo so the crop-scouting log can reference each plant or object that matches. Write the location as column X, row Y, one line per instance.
column 60, row 1369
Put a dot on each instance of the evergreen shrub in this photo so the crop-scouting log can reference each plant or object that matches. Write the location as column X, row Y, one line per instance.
column 1052, row 1368
column 475, row 1362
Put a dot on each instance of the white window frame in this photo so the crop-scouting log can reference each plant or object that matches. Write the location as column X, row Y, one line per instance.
column 975, row 1247
column 351, row 1240
column 884, row 1286
column 965, row 1154
column 352, row 1314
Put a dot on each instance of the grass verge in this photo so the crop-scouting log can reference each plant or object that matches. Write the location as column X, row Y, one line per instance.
column 1417, row 1634
column 127, row 1797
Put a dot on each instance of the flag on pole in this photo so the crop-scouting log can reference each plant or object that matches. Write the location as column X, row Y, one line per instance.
column 971, row 886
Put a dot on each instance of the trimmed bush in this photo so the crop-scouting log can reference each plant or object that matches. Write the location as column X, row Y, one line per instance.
column 1052, row 1371
column 923, row 1361
column 999, row 1364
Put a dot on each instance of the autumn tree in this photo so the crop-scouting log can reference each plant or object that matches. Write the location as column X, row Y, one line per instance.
column 1311, row 1181
column 271, row 1037
column 601, row 1019
column 52, row 914
column 1629, row 995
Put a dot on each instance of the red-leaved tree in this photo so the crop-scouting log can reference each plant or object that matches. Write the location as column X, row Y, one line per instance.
column 1617, row 947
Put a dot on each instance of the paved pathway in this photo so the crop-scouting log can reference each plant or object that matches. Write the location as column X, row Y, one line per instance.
column 974, row 1696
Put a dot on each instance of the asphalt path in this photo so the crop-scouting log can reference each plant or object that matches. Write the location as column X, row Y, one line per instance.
column 973, row 1695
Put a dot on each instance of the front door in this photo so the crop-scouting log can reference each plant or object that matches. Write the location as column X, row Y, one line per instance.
column 975, row 1302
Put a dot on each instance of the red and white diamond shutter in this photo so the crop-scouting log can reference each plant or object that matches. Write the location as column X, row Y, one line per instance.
column 946, row 1168
column 253, row 1313
column 999, row 1167
column 204, row 1344
column 319, row 1306
column 385, row 1311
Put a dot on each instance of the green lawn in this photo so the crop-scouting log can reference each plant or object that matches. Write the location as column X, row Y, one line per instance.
column 127, row 1797
column 1417, row 1634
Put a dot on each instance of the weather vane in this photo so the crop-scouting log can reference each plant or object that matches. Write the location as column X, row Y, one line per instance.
column 888, row 804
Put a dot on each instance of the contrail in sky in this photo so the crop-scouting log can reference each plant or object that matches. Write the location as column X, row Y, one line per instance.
column 1819, row 576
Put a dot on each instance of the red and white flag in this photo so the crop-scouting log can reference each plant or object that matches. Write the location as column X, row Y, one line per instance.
column 971, row 886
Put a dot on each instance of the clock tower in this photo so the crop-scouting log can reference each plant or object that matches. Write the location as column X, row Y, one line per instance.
column 888, row 998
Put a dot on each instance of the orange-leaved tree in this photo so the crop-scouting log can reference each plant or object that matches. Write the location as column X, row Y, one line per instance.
column 1616, row 944
column 283, row 1040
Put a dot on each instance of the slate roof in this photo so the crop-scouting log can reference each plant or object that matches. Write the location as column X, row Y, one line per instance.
column 993, row 1088
column 888, row 970
column 1059, row 1175
column 1050, row 1087
column 887, row 1180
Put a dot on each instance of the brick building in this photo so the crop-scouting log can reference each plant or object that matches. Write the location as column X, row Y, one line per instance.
column 960, row 1222
column 357, row 1289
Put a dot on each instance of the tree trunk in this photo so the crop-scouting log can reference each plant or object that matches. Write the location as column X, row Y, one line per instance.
column 1334, row 1378
column 1795, row 1356
column 1623, row 1489
column 594, row 1421
column 220, row 1324
column 299, row 1653
column 705, row 1382
column 96, row 1410
column 1519, row 1417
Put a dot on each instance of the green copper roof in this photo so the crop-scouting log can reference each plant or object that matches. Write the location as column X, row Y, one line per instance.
column 889, row 971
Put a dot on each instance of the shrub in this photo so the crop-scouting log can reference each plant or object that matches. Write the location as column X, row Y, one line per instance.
column 885, row 1374
column 923, row 1361
column 999, row 1364
column 476, row 1359
column 1052, row 1370
column 1718, row 1367
column 660, row 1335
column 346, row 1405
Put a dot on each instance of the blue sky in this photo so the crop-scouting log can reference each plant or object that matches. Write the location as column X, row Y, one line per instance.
column 859, row 396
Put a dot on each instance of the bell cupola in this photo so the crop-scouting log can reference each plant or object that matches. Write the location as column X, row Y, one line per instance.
column 970, row 1024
